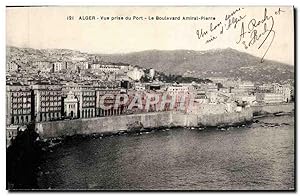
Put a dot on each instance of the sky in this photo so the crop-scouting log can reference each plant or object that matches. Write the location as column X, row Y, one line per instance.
column 48, row 27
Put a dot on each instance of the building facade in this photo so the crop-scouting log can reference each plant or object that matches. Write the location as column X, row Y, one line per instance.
column 88, row 103
column 18, row 105
column 48, row 102
column 269, row 98
column 71, row 106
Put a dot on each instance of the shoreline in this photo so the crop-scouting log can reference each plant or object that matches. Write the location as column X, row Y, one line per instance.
column 56, row 142
column 37, row 148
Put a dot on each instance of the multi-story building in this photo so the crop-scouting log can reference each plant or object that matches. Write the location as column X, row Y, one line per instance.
column 269, row 98
column 74, row 87
column 265, row 88
column 108, row 101
column 155, row 101
column 285, row 90
column 71, row 106
column 277, row 88
column 210, row 87
column 105, row 67
column 179, row 89
column 88, row 103
column 201, row 97
column 246, row 86
column 287, row 93
column 57, row 66
column 48, row 102
column 19, row 105
column 151, row 73
column 11, row 67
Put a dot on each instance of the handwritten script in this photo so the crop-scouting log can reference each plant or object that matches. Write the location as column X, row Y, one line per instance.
column 252, row 32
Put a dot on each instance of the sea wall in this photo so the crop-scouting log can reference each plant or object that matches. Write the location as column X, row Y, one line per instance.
column 114, row 124
column 226, row 119
column 273, row 108
column 179, row 119
column 111, row 124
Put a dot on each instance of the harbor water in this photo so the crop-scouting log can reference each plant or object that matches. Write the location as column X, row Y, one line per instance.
column 258, row 156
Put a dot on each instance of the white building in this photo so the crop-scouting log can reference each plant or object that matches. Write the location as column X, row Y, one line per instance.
column 287, row 93
column 266, row 87
column 136, row 74
column 110, row 68
column 210, row 87
column 178, row 89
column 57, row 66
column 71, row 105
column 269, row 98
column 11, row 67
column 246, row 86
column 105, row 68
column 285, row 90
column 151, row 73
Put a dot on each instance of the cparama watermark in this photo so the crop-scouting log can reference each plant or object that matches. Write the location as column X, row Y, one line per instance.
column 147, row 101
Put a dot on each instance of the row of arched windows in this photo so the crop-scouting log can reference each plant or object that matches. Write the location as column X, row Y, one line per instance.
column 87, row 113
column 20, row 119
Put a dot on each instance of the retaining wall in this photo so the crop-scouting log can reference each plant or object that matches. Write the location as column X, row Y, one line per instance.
column 288, row 107
column 114, row 124
column 111, row 124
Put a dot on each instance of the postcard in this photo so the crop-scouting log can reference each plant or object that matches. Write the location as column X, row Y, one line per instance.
column 150, row 98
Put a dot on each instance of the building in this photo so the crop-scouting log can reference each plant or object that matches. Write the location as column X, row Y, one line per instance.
column 180, row 89
column 19, row 105
column 136, row 74
column 108, row 101
column 245, row 86
column 201, row 98
column 71, row 106
column 88, row 103
column 139, row 86
column 211, row 87
column 285, row 90
column 267, row 88
column 71, row 86
column 151, row 73
column 155, row 86
column 11, row 67
column 57, row 66
column 105, row 67
column 47, row 102
column 269, row 98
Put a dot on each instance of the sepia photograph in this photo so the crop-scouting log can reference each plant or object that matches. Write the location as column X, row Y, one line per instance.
column 150, row 98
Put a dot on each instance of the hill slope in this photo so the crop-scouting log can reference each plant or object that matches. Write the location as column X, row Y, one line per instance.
column 211, row 63
column 202, row 64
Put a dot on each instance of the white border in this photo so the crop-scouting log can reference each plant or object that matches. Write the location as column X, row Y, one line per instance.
column 4, row 3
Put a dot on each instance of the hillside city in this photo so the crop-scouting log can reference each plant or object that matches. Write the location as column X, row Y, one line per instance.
column 51, row 86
